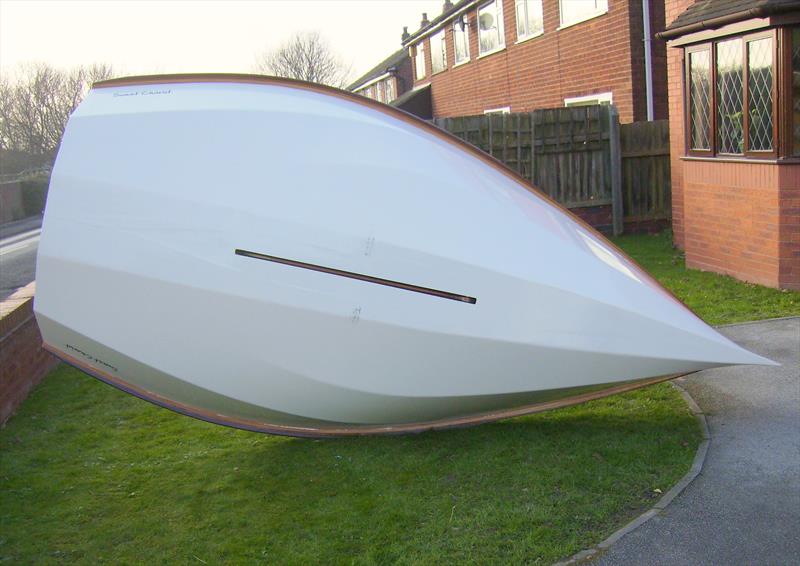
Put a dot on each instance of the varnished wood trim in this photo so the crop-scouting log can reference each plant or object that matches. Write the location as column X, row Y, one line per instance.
column 339, row 430
column 358, row 276
column 390, row 111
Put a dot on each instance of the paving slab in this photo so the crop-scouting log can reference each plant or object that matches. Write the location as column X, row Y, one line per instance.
column 744, row 507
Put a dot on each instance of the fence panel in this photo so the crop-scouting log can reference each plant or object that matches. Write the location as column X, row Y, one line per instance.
column 563, row 151
column 581, row 157
column 646, row 171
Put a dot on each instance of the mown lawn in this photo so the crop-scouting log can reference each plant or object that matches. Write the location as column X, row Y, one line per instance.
column 89, row 474
column 715, row 298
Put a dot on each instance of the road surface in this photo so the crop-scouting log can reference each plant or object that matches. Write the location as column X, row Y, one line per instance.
column 18, row 244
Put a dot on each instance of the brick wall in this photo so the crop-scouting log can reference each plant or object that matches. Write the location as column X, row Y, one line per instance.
column 23, row 362
column 604, row 54
column 789, row 231
column 675, row 77
column 737, row 218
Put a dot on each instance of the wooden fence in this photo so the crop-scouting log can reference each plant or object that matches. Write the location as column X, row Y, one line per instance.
column 581, row 157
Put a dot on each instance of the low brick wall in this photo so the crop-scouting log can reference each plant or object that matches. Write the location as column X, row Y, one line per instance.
column 23, row 362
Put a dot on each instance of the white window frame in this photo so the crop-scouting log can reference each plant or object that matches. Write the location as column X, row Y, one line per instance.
column 501, row 110
column 465, row 33
column 439, row 37
column 419, row 56
column 589, row 99
column 587, row 16
column 501, row 29
column 528, row 33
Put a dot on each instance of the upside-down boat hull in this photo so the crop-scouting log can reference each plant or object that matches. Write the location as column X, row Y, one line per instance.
column 284, row 257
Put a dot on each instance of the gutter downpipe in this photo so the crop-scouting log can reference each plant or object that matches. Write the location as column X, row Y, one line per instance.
column 648, row 59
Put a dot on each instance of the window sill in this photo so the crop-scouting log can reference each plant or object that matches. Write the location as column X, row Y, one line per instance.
column 585, row 18
column 492, row 52
column 741, row 159
column 525, row 38
column 434, row 73
column 464, row 62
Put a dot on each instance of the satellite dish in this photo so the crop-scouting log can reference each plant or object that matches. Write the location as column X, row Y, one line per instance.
column 486, row 21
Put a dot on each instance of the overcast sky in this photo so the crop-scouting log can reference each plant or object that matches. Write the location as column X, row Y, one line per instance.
column 149, row 36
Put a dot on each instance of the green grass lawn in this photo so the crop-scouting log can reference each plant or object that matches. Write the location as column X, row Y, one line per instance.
column 715, row 298
column 89, row 474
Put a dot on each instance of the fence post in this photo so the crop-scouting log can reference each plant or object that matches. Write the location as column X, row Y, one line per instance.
column 616, row 171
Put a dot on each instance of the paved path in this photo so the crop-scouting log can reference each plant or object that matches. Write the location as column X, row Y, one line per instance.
column 18, row 244
column 744, row 508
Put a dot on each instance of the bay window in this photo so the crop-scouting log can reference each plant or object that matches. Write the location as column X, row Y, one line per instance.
column 731, row 97
column 491, row 33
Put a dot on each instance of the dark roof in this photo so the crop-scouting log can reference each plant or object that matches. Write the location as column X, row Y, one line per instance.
column 393, row 60
column 438, row 19
column 716, row 13
column 417, row 102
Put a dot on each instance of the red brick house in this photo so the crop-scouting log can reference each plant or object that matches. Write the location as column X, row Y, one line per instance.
column 518, row 55
column 388, row 80
column 734, row 111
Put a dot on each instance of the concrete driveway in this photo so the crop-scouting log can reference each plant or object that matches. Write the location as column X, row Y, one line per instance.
column 744, row 508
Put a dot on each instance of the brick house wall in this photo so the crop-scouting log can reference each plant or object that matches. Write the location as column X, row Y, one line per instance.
column 675, row 78
column 736, row 217
column 603, row 54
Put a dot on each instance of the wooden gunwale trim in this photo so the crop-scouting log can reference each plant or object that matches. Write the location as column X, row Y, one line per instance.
column 395, row 113
column 344, row 430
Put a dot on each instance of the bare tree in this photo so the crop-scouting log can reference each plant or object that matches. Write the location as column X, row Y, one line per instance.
column 306, row 56
column 35, row 107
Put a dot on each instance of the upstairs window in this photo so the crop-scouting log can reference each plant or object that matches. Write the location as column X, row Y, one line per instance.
column 380, row 88
column 575, row 11
column 731, row 96
column 390, row 93
column 491, row 34
column 419, row 61
column 438, row 53
column 461, row 40
column 530, row 21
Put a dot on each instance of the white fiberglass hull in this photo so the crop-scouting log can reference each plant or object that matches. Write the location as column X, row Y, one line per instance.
column 284, row 257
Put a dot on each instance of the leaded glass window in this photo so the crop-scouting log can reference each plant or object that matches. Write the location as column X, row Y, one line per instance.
column 700, row 99
column 759, row 89
column 730, row 96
